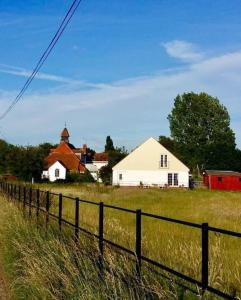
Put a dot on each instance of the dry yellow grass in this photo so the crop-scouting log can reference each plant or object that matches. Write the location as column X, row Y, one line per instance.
column 46, row 265
column 176, row 246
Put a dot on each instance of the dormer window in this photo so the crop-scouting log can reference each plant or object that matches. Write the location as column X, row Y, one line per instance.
column 163, row 161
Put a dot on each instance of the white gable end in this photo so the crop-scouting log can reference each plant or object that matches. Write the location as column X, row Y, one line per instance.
column 57, row 171
column 148, row 157
column 151, row 164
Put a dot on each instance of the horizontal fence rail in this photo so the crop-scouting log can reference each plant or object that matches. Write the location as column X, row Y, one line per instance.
column 41, row 201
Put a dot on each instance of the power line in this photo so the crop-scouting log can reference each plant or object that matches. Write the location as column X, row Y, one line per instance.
column 45, row 55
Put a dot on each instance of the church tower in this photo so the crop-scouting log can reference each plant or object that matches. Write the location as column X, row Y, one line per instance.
column 64, row 135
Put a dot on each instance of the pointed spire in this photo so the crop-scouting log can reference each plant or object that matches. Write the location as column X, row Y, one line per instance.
column 65, row 135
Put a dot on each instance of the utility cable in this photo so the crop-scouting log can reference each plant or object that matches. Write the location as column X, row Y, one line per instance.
column 45, row 55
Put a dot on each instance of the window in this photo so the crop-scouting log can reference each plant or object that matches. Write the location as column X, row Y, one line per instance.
column 169, row 178
column 120, row 176
column 175, row 179
column 56, row 173
column 220, row 179
column 163, row 161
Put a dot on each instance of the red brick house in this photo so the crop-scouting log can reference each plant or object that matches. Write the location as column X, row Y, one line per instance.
column 66, row 158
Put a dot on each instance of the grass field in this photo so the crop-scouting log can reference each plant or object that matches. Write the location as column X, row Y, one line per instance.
column 40, row 264
column 176, row 246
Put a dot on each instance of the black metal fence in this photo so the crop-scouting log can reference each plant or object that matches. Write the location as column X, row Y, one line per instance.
column 39, row 201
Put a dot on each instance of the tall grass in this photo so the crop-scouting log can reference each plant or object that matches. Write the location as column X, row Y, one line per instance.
column 47, row 265
column 177, row 246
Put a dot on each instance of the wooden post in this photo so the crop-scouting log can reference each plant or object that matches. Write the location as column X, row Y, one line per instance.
column 24, row 197
column 19, row 193
column 30, row 202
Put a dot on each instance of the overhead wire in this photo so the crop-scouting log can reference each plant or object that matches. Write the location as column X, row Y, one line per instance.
column 75, row 4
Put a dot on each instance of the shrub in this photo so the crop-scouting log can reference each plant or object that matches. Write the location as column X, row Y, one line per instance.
column 78, row 177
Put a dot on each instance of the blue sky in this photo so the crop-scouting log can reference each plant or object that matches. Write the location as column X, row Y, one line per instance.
column 117, row 68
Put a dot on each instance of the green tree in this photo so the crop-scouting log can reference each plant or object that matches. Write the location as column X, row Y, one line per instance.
column 168, row 143
column 105, row 174
column 109, row 146
column 115, row 154
column 24, row 162
column 200, row 126
column 4, row 150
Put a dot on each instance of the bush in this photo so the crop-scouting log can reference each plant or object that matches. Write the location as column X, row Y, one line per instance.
column 105, row 174
column 78, row 177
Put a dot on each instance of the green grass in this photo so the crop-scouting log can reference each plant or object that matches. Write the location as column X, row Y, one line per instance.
column 176, row 246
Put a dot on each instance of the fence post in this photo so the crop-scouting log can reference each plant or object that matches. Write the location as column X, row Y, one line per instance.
column 47, row 204
column 30, row 202
column 10, row 191
column 204, row 256
column 24, row 197
column 19, row 193
column 60, row 211
column 76, row 219
column 101, row 233
column 37, row 203
column 138, row 242
column 15, row 192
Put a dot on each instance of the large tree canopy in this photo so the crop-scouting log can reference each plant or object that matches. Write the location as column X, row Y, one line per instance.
column 200, row 125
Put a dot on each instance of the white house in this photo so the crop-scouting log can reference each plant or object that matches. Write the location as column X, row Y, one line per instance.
column 150, row 164
column 57, row 171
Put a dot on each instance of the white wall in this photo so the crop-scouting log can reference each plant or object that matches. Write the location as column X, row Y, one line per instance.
column 45, row 174
column 100, row 164
column 160, row 177
column 62, row 171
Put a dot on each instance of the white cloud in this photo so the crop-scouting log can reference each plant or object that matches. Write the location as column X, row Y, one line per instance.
column 128, row 110
column 185, row 51
column 16, row 71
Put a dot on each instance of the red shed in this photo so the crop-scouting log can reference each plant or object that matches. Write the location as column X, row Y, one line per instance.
column 222, row 180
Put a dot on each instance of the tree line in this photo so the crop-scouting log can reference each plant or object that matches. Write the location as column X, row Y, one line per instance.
column 200, row 136
column 24, row 162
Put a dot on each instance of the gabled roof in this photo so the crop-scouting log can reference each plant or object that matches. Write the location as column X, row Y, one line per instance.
column 147, row 157
column 65, row 155
column 101, row 157
column 60, row 162
column 64, row 147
